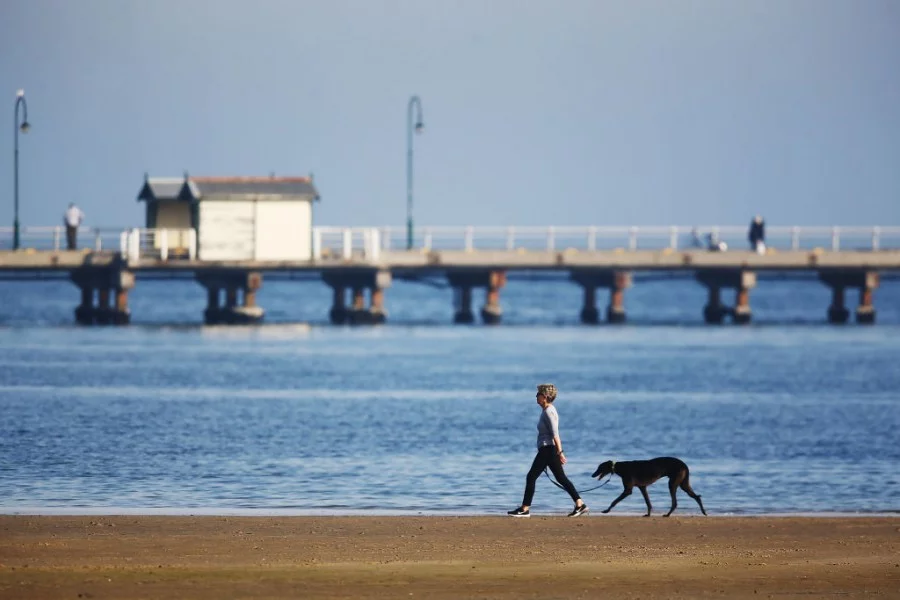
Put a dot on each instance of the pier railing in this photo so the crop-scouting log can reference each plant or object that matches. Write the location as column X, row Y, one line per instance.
column 53, row 238
column 159, row 244
column 639, row 238
column 346, row 243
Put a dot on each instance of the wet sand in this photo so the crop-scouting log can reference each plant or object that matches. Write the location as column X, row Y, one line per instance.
column 212, row 557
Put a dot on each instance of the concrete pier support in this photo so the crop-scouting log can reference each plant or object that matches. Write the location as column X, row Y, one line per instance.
column 714, row 312
column 338, row 314
column 615, row 312
column 109, row 286
column 589, row 313
column 239, row 288
column 741, row 280
column 103, row 312
column 463, row 281
column 462, row 305
column 839, row 281
column 742, row 313
column 358, row 314
column 837, row 311
column 376, row 305
column 865, row 312
column 84, row 312
column 373, row 280
column 492, row 312
column 590, row 280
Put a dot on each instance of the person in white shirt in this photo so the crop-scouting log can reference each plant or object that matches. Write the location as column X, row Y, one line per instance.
column 72, row 218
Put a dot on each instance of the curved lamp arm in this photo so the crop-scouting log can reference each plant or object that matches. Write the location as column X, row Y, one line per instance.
column 20, row 100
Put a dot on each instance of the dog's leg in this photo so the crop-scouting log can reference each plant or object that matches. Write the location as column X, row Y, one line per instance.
column 624, row 494
column 673, row 487
column 686, row 486
column 643, row 489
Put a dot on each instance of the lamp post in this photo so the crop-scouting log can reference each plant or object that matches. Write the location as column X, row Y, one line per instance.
column 419, row 126
column 23, row 126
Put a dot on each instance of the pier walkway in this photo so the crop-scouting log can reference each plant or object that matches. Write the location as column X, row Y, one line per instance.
column 364, row 261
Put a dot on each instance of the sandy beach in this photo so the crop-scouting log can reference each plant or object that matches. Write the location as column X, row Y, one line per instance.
column 448, row 557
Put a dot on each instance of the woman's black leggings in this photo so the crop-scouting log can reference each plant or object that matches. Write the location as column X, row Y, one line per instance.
column 547, row 457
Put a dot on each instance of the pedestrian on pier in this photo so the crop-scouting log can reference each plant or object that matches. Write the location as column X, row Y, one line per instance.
column 757, row 235
column 714, row 244
column 550, row 454
column 696, row 241
column 72, row 218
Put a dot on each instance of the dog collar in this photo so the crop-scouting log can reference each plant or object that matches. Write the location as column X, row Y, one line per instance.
column 613, row 466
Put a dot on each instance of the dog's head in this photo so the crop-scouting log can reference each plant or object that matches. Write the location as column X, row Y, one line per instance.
column 604, row 469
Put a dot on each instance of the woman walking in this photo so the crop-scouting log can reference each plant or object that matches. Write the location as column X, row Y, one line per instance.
column 550, row 454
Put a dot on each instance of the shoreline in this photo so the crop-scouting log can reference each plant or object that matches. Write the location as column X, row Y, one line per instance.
column 339, row 513
column 206, row 557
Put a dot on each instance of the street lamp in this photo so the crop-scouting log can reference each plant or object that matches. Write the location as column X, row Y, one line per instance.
column 23, row 126
column 419, row 127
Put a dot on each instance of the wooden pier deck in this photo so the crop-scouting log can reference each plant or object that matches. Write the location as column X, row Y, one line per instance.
column 26, row 262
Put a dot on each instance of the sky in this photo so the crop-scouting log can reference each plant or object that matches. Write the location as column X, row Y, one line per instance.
column 594, row 112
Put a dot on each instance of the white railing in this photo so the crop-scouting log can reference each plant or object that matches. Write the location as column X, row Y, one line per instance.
column 368, row 243
column 54, row 238
column 639, row 238
column 160, row 244
column 346, row 243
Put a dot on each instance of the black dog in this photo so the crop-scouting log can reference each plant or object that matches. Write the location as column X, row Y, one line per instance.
column 642, row 473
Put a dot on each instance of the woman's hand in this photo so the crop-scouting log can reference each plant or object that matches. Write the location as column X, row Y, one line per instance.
column 562, row 458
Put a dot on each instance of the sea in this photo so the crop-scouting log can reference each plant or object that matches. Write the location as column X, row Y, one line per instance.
column 295, row 416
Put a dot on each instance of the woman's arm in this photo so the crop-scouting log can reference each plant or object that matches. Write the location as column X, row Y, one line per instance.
column 559, row 451
column 557, row 441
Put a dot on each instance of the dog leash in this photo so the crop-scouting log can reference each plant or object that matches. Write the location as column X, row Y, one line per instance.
column 557, row 484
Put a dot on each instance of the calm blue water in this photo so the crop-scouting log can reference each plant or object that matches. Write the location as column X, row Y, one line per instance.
column 788, row 415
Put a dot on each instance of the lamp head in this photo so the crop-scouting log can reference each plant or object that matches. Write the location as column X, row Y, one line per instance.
column 420, row 127
column 24, row 127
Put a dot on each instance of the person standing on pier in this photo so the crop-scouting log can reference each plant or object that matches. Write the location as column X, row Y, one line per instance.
column 550, row 454
column 72, row 218
column 757, row 235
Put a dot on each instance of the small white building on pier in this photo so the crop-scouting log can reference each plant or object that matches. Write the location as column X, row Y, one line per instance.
column 235, row 218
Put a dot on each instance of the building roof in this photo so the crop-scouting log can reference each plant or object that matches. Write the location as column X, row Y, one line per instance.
column 194, row 189
column 161, row 188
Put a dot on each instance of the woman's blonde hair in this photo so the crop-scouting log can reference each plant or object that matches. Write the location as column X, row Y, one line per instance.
column 548, row 390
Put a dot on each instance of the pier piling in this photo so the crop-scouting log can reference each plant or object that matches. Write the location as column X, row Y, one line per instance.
column 103, row 314
column 615, row 312
column 840, row 279
column 837, row 312
column 462, row 282
column 240, row 306
column 589, row 313
column 617, row 282
column 375, row 280
column 358, row 315
column 715, row 279
column 462, row 303
column 492, row 312
column 99, row 286
column 376, row 306
column 714, row 312
column 338, row 313
column 742, row 312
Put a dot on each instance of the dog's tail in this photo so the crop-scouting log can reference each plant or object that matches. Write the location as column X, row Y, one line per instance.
column 685, row 485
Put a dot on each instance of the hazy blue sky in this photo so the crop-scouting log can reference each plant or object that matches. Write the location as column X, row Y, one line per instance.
column 568, row 112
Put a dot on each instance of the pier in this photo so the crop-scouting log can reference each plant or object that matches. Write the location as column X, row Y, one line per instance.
column 359, row 265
